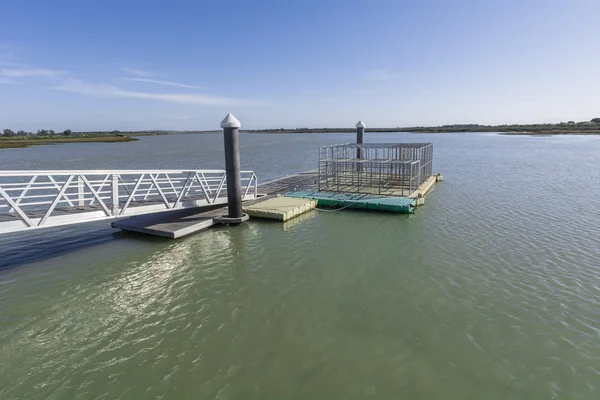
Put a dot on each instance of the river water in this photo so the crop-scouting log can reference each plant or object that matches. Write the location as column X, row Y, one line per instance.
column 490, row 291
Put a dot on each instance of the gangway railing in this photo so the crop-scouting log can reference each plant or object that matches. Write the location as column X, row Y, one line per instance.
column 38, row 199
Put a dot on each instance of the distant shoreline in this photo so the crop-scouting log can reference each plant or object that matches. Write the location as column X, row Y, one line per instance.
column 120, row 137
column 12, row 143
column 517, row 133
column 551, row 133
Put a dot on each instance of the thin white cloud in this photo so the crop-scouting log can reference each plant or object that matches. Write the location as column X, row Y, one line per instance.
column 30, row 72
column 382, row 75
column 64, row 81
column 93, row 89
column 137, row 72
column 166, row 83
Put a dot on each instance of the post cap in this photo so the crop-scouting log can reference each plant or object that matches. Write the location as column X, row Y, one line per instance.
column 361, row 124
column 230, row 122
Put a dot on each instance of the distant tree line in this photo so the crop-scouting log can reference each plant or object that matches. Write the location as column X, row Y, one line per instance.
column 570, row 126
column 40, row 132
column 68, row 132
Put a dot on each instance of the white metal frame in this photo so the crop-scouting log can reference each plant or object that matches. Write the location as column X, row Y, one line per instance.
column 38, row 199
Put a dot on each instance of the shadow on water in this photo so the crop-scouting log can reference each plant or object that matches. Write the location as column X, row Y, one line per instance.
column 33, row 247
column 38, row 245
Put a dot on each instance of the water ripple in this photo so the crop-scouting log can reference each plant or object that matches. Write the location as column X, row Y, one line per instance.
column 492, row 290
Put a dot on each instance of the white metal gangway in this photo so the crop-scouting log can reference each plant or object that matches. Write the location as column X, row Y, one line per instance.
column 39, row 199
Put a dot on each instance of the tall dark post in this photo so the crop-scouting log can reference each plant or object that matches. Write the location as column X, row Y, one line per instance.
column 360, row 137
column 231, row 137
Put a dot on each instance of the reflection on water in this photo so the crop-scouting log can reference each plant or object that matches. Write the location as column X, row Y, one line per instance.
column 492, row 290
column 294, row 222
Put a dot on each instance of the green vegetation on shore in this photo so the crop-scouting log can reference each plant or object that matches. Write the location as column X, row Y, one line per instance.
column 563, row 128
column 11, row 139
column 8, row 133
column 8, row 142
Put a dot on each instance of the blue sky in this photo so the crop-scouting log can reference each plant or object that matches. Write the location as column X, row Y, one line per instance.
column 133, row 65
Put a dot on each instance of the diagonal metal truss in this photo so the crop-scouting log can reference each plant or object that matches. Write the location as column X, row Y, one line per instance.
column 38, row 199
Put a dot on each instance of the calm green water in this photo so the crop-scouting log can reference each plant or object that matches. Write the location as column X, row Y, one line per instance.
column 491, row 291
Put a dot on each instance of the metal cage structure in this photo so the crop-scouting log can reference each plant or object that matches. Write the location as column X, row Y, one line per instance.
column 393, row 169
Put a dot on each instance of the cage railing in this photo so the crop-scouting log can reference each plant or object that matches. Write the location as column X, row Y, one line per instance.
column 400, row 167
column 382, row 177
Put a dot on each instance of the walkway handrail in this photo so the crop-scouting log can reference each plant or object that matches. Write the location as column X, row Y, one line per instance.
column 109, row 171
column 35, row 199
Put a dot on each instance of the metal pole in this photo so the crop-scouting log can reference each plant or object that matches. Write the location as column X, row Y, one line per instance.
column 360, row 137
column 115, row 195
column 80, row 191
column 230, row 127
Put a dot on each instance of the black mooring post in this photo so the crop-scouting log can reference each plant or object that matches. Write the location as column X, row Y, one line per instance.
column 231, row 138
column 360, row 137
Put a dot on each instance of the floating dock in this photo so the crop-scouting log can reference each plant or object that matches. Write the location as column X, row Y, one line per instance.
column 280, row 208
column 174, row 224
column 185, row 222
column 404, row 205
column 282, row 199
column 393, row 177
